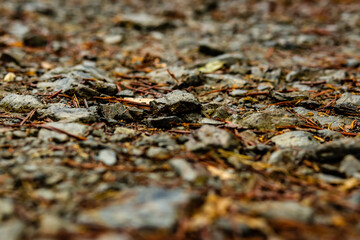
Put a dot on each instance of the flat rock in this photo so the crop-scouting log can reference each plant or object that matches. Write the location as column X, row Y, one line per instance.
column 238, row 93
column 73, row 128
column 84, row 81
column 269, row 119
column 334, row 122
column 63, row 113
column 349, row 98
column 225, row 80
column 283, row 210
column 295, row 139
column 140, row 208
column 175, row 102
column 20, row 103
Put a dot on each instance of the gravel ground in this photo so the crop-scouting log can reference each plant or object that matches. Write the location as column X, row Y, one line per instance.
column 179, row 119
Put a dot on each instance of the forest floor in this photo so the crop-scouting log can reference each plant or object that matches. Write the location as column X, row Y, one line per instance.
column 180, row 119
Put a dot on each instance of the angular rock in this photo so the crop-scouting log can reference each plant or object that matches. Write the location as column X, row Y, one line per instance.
column 20, row 103
column 208, row 137
column 295, row 139
column 175, row 102
column 115, row 111
column 140, row 208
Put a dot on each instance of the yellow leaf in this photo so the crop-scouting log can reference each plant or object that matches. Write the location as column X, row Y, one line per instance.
column 212, row 66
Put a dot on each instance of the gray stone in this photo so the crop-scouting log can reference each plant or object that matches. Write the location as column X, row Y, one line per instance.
column 350, row 165
column 283, row 210
column 161, row 76
column 6, row 208
column 124, row 130
column 113, row 39
column 228, row 58
column 122, row 134
column 353, row 63
column 238, row 93
column 20, row 103
column 295, row 139
column 107, row 156
column 333, row 122
column 84, row 81
column 349, row 98
column 73, row 128
column 269, row 119
column 184, row 169
column 15, row 55
column 336, row 150
column 44, row 194
column 163, row 122
column 333, row 76
column 175, row 102
column 113, row 236
column 143, row 21
column 225, row 80
column 63, row 113
column 208, row 137
column 158, row 153
column 12, row 229
column 329, row 135
column 125, row 93
column 116, row 111
column 140, row 208
column 208, row 121
column 50, row 224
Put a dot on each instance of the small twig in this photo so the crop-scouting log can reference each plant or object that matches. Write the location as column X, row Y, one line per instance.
column 143, row 91
column 173, row 76
column 86, row 104
column 28, row 117
column 54, row 94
